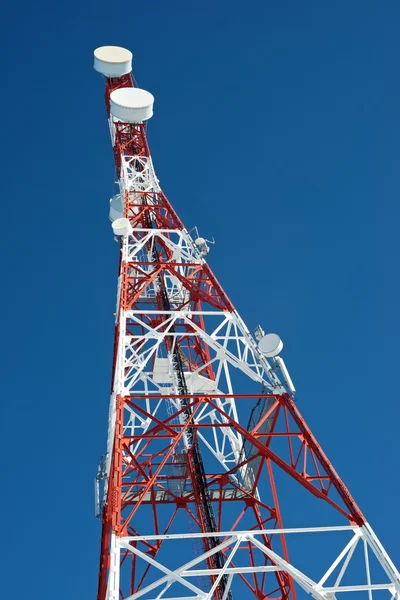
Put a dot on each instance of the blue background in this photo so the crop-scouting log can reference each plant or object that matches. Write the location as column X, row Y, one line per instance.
column 276, row 131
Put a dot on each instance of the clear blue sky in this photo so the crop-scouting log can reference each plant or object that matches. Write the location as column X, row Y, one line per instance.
column 276, row 131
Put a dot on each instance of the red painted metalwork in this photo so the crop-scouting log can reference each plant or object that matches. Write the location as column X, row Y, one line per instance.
column 140, row 478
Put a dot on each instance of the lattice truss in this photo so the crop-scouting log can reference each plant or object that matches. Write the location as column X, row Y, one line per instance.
column 282, row 521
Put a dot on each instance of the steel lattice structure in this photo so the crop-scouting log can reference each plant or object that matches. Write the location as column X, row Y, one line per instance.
column 205, row 441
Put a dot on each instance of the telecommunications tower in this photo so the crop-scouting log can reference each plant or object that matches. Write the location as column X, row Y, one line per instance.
column 212, row 485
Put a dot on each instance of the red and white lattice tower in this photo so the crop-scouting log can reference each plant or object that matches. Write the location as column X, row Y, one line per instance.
column 213, row 486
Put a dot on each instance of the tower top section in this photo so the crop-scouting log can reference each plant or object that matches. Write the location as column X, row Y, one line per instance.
column 131, row 105
column 112, row 61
